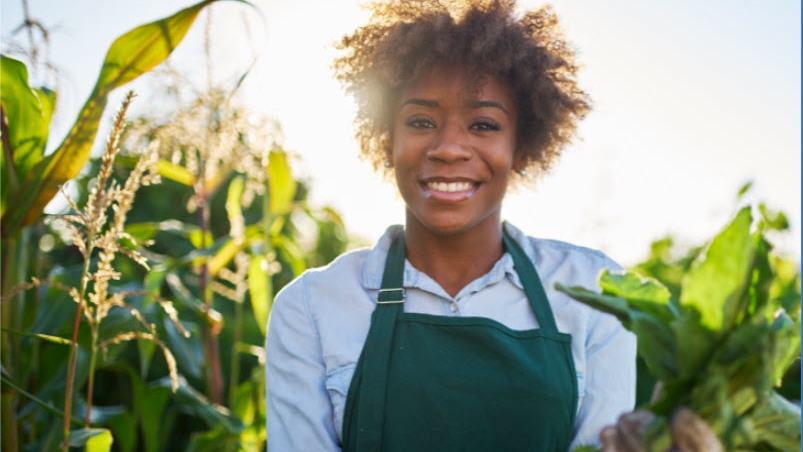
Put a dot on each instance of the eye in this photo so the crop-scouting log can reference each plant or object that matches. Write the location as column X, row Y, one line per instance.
column 485, row 126
column 419, row 122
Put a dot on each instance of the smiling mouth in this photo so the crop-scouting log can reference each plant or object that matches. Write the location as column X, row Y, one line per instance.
column 449, row 187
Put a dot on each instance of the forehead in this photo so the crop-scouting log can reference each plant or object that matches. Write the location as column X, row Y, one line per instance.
column 457, row 83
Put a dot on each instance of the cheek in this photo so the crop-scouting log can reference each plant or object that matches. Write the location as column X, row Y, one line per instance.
column 505, row 158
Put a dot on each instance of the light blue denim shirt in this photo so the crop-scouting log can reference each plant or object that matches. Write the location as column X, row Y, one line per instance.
column 319, row 323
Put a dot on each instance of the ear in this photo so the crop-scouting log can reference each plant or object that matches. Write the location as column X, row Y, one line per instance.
column 388, row 152
column 519, row 161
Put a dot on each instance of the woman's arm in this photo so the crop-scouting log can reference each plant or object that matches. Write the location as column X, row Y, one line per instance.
column 299, row 412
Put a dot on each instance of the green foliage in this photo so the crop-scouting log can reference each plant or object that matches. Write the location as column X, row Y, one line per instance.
column 35, row 177
column 719, row 337
column 91, row 439
column 218, row 272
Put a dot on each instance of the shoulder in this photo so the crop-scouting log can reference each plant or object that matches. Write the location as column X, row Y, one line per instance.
column 362, row 267
column 344, row 287
column 556, row 253
column 345, row 269
column 561, row 261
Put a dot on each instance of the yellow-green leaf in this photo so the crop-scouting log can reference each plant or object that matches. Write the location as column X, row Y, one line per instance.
column 645, row 294
column 131, row 55
column 714, row 285
column 281, row 183
column 234, row 198
column 260, row 287
column 44, row 337
column 92, row 439
column 175, row 173
column 200, row 239
column 223, row 256
column 27, row 113
column 102, row 442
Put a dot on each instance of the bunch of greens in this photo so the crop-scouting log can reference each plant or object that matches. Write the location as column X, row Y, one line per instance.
column 721, row 347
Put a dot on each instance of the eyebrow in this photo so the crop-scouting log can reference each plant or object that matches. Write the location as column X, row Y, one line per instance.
column 473, row 104
column 488, row 103
column 422, row 102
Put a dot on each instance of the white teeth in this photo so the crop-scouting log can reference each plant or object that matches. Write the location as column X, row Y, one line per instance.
column 449, row 187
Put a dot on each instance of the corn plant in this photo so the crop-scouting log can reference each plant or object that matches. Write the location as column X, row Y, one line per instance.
column 30, row 178
column 224, row 269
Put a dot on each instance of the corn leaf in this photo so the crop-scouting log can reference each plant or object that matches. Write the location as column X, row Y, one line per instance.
column 260, row 288
column 290, row 252
column 27, row 112
column 281, row 183
column 226, row 252
column 44, row 337
column 124, row 426
column 196, row 403
column 131, row 55
column 153, row 400
column 145, row 231
column 235, row 212
column 92, row 439
column 175, row 173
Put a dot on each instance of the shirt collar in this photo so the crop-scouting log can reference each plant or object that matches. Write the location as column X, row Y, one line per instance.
column 374, row 266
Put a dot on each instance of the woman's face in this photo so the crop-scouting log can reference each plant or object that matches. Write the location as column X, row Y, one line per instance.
column 452, row 150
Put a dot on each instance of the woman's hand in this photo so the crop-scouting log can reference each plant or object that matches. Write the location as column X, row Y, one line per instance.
column 689, row 433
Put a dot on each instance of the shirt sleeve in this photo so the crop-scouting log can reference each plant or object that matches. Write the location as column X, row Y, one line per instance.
column 299, row 412
column 610, row 379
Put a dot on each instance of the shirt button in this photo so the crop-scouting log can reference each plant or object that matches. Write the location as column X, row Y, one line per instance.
column 453, row 307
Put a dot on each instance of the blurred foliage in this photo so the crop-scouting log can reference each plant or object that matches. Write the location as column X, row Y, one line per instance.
column 228, row 226
column 669, row 263
column 721, row 344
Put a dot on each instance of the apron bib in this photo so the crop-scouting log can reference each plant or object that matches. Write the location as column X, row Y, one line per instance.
column 439, row 383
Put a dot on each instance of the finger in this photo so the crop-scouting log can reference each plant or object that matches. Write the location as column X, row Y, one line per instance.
column 608, row 439
column 630, row 429
column 690, row 433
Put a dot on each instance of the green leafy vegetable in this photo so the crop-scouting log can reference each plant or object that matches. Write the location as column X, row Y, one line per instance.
column 722, row 347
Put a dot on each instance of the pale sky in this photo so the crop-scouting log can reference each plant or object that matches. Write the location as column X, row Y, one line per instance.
column 692, row 99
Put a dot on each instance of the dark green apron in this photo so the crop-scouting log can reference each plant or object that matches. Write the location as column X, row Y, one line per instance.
column 448, row 384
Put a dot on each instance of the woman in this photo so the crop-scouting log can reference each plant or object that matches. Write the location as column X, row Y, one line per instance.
column 448, row 335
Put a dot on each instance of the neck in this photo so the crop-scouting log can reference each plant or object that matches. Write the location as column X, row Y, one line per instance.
column 454, row 260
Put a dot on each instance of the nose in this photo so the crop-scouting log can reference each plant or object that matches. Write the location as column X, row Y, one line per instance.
column 451, row 144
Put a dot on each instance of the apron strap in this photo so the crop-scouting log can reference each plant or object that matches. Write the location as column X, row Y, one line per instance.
column 532, row 284
column 371, row 404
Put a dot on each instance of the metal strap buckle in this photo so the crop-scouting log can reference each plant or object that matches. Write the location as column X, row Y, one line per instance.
column 381, row 291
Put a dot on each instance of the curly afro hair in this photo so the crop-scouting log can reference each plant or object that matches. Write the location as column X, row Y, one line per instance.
column 405, row 38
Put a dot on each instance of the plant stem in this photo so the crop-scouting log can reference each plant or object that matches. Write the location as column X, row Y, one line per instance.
column 73, row 360
column 29, row 24
column 8, row 396
column 211, row 353
column 91, row 384
column 234, row 371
